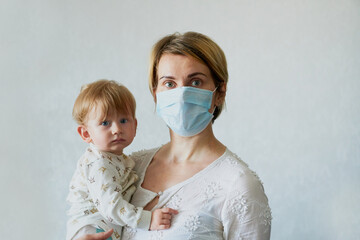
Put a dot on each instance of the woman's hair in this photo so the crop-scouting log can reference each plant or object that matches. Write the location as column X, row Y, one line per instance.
column 106, row 95
column 195, row 45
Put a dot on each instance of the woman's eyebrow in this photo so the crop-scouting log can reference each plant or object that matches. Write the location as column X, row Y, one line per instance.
column 196, row 73
column 170, row 77
column 189, row 76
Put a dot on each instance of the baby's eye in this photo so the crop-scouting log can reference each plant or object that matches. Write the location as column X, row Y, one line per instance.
column 169, row 84
column 105, row 123
column 123, row 120
column 195, row 83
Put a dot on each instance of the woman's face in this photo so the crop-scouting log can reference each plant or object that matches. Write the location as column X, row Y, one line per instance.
column 183, row 71
column 180, row 71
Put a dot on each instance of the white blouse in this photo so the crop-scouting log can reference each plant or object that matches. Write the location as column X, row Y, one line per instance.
column 226, row 200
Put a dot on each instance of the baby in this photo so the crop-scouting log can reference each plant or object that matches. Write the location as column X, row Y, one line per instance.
column 103, row 182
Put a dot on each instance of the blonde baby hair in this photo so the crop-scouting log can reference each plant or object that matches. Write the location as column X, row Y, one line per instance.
column 106, row 95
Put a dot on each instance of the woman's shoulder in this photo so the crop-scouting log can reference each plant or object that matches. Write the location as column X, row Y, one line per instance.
column 234, row 163
column 142, row 158
column 243, row 176
column 246, row 190
column 143, row 154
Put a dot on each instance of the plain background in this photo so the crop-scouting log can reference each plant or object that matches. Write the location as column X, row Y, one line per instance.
column 292, row 104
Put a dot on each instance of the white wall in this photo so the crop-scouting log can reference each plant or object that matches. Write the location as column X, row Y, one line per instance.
column 292, row 106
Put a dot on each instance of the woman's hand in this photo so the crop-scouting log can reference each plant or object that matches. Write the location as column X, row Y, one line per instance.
column 97, row 236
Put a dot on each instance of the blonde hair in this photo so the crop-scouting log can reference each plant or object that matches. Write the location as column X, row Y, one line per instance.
column 106, row 95
column 195, row 45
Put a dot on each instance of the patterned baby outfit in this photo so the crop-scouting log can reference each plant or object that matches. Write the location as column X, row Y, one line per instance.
column 100, row 190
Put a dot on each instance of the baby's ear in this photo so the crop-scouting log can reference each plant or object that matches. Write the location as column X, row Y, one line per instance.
column 84, row 133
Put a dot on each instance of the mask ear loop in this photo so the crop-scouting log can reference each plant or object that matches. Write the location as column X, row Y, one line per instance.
column 213, row 95
column 214, row 110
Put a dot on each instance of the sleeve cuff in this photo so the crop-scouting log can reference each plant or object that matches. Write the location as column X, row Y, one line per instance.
column 144, row 221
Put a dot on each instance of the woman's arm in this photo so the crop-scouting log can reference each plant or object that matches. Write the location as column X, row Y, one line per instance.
column 246, row 213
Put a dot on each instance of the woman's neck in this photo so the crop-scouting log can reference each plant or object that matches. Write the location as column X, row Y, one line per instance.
column 192, row 149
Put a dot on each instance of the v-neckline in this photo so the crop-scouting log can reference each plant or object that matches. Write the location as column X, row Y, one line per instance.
column 182, row 183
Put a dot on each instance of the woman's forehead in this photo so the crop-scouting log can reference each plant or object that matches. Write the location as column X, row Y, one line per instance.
column 184, row 65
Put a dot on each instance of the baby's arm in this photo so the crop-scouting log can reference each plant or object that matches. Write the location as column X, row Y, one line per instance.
column 161, row 218
column 106, row 184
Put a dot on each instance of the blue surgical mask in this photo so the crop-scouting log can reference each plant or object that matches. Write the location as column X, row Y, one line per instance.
column 185, row 109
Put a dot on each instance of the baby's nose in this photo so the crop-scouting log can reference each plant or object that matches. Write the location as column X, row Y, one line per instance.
column 116, row 128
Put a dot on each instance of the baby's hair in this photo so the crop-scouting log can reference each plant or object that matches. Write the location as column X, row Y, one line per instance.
column 106, row 95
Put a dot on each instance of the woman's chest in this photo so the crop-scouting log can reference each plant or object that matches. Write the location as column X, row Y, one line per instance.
column 203, row 192
column 200, row 208
column 159, row 177
column 189, row 225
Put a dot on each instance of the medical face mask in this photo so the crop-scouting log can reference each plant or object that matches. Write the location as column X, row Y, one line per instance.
column 185, row 109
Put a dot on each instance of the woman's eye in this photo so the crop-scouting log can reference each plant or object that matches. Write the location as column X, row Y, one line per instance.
column 124, row 120
column 105, row 123
column 169, row 84
column 195, row 83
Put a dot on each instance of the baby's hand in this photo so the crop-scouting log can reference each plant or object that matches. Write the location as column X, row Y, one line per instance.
column 161, row 218
column 97, row 236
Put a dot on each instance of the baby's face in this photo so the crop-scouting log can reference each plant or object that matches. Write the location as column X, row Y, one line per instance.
column 114, row 133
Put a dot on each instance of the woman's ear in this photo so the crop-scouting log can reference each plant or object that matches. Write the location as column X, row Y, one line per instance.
column 84, row 133
column 221, row 94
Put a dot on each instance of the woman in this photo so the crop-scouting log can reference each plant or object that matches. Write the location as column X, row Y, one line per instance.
column 216, row 194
